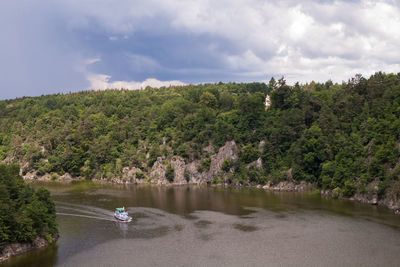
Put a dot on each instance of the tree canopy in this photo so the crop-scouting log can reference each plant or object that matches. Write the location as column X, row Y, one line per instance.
column 333, row 135
column 25, row 213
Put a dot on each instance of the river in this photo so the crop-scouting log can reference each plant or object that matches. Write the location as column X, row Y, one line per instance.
column 213, row 226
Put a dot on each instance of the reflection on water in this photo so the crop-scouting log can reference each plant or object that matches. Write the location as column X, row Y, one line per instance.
column 196, row 225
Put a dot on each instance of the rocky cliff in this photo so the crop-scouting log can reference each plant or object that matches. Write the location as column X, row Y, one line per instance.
column 190, row 173
column 17, row 248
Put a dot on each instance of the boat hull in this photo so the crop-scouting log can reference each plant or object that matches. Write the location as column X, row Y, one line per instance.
column 124, row 219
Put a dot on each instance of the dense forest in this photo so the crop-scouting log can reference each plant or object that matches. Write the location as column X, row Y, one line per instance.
column 25, row 213
column 339, row 137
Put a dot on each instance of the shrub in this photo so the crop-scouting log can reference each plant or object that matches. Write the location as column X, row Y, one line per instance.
column 54, row 176
column 205, row 165
column 41, row 171
column 249, row 153
column 169, row 174
column 140, row 175
column 187, row 177
column 226, row 165
column 216, row 180
column 337, row 192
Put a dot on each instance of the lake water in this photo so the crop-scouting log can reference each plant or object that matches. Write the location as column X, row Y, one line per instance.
column 209, row 226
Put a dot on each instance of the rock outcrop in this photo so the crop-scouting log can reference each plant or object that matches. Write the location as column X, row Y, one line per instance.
column 261, row 146
column 133, row 175
column 257, row 164
column 157, row 174
column 195, row 177
column 370, row 197
column 179, row 170
column 66, row 177
column 32, row 176
column 289, row 186
column 17, row 248
column 228, row 151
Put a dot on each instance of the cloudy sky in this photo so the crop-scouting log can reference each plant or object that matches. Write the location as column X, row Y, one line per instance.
column 50, row 46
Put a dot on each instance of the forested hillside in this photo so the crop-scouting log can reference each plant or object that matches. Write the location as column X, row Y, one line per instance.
column 341, row 137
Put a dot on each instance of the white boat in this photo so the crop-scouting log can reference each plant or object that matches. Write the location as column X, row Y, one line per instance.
column 121, row 215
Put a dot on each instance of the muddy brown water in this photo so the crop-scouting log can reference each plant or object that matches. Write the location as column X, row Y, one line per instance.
column 213, row 226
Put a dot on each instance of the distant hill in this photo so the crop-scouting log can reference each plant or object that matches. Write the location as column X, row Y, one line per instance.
column 343, row 138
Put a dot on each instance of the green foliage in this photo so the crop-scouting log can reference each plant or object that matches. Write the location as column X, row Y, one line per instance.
column 249, row 153
column 187, row 176
column 208, row 99
column 25, row 213
column 169, row 174
column 226, row 165
column 205, row 165
column 140, row 175
column 338, row 136
column 216, row 180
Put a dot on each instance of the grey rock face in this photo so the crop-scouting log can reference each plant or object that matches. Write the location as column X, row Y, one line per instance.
column 158, row 172
column 261, row 146
column 179, row 170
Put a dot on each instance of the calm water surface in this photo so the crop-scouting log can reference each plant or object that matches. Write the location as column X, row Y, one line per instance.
column 207, row 226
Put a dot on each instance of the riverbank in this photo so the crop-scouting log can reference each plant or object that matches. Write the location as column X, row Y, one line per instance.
column 389, row 201
column 19, row 248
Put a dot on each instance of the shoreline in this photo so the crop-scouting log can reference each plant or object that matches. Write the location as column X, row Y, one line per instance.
column 14, row 249
column 285, row 186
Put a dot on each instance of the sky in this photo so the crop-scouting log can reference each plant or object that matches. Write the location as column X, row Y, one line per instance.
column 49, row 46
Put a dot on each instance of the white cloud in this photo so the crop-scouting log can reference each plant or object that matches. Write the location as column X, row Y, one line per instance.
column 282, row 37
column 102, row 82
column 49, row 43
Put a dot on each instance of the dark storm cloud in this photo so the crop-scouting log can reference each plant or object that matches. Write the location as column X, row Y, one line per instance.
column 58, row 46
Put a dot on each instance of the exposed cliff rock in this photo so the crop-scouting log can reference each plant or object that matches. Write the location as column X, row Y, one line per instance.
column 369, row 197
column 391, row 199
column 157, row 173
column 289, row 186
column 257, row 164
column 261, row 146
column 209, row 149
column 179, row 170
column 133, row 175
column 17, row 248
column 195, row 177
column 228, row 151
column 66, row 177
column 32, row 176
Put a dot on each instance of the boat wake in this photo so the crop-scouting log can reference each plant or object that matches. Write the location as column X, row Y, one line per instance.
column 84, row 211
column 84, row 216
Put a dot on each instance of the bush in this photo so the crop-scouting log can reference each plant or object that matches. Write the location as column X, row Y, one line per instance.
column 337, row 192
column 169, row 174
column 226, row 165
column 54, row 176
column 216, row 180
column 249, row 153
column 139, row 175
column 349, row 188
column 382, row 187
column 253, row 176
column 41, row 171
column 187, row 177
column 205, row 165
